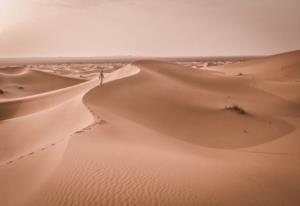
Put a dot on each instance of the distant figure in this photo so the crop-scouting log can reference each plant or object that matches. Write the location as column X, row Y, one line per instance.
column 101, row 77
column 2, row 91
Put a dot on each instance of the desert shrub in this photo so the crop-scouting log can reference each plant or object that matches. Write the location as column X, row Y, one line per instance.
column 236, row 108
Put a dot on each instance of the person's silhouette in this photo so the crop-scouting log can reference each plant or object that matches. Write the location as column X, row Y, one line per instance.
column 101, row 77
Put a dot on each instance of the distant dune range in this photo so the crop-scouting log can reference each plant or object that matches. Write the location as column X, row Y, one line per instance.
column 154, row 134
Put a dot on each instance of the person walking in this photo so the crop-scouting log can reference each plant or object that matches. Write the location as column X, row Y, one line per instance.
column 101, row 77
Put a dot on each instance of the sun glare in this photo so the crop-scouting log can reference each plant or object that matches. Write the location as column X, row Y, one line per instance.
column 12, row 12
column 5, row 6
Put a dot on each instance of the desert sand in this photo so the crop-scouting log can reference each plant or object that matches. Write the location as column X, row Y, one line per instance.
column 155, row 133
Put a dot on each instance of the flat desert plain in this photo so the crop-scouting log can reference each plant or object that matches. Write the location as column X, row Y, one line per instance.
column 155, row 133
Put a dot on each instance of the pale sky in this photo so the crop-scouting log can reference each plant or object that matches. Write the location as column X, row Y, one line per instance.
column 41, row 28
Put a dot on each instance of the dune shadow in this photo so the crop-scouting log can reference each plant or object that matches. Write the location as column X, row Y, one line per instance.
column 8, row 110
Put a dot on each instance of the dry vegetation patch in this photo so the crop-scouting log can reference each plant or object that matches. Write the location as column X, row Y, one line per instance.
column 236, row 108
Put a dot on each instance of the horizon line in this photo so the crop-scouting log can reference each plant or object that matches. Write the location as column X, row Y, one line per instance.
column 116, row 59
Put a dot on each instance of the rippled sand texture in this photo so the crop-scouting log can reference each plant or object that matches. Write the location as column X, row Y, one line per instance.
column 163, row 135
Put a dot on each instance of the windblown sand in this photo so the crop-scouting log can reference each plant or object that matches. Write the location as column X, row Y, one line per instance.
column 155, row 133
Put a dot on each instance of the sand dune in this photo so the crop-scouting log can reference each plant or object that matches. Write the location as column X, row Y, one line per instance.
column 280, row 67
column 43, row 113
column 17, row 70
column 163, row 135
column 43, row 116
column 196, row 101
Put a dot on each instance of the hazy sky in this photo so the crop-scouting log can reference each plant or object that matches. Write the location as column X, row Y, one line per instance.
column 148, row 27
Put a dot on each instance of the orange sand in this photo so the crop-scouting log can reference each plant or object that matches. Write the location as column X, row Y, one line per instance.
column 153, row 134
